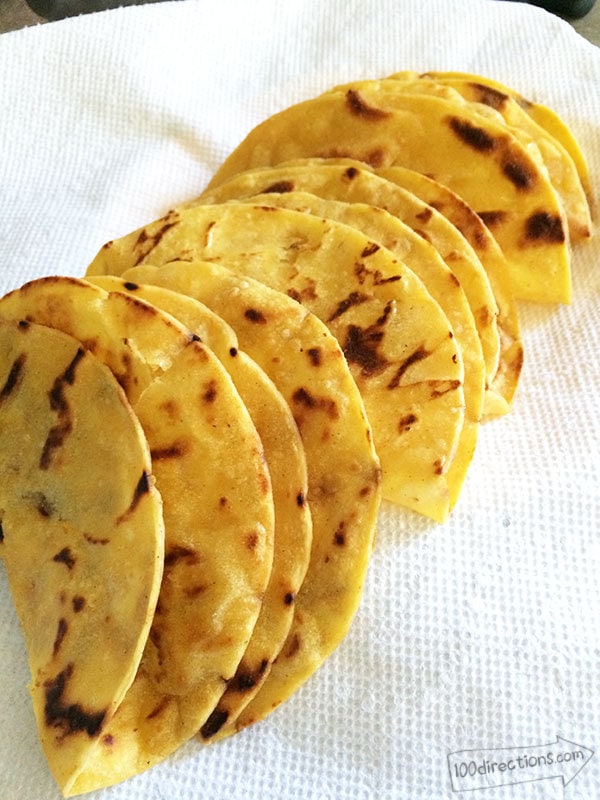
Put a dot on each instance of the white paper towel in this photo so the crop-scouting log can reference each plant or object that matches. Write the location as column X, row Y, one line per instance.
column 480, row 635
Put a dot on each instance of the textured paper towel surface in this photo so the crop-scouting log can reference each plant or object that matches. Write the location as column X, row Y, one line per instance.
column 478, row 635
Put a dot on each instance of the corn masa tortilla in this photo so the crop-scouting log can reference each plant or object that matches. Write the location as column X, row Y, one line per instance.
column 307, row 365
column 73, row 508
column 210, row 598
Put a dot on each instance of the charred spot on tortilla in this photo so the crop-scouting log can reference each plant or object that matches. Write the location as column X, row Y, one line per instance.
column 363, row 273
column 44, row 505
column 472, row 135
column 69, row 718
column 425, row 215
column 175, row 450
column 13, row 376
column 61, row 632
column 38, row 500
column 58, row 402
column 145, row 244
column 159, row 708
column 210, row 394
column 371, row 248
column 544, row 227
column 315, row 356
column 303, row 396
column 254, row 315
column 78, row 603
column 246, row 678
column 142, row 488
column 358, row 107
column 519, row 174
column 304, row 295
column 405, row 423
column 490, row 96
column 214, row 724
column 54, row 441
column 453, row 279
column 361, row 347
column 279, row 187
column 251, row 540
column 180, row 553
column 439, row 388
column 339, row 537
column 96, row 539
column 491, row 218
column 66, row 557
column 353, row 299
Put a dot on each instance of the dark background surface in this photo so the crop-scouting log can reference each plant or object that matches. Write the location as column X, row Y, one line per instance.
column 15, row 14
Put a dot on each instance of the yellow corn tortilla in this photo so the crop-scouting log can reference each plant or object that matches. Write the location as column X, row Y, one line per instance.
column 209, row 466
column 500, row 106
column 426, row 263
column 286, row 460
column 543, row 116
column 504, row 383
column 376, row 122
column 72, row 510
column 398, row 342
column 308, row 367
column 354, row 182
